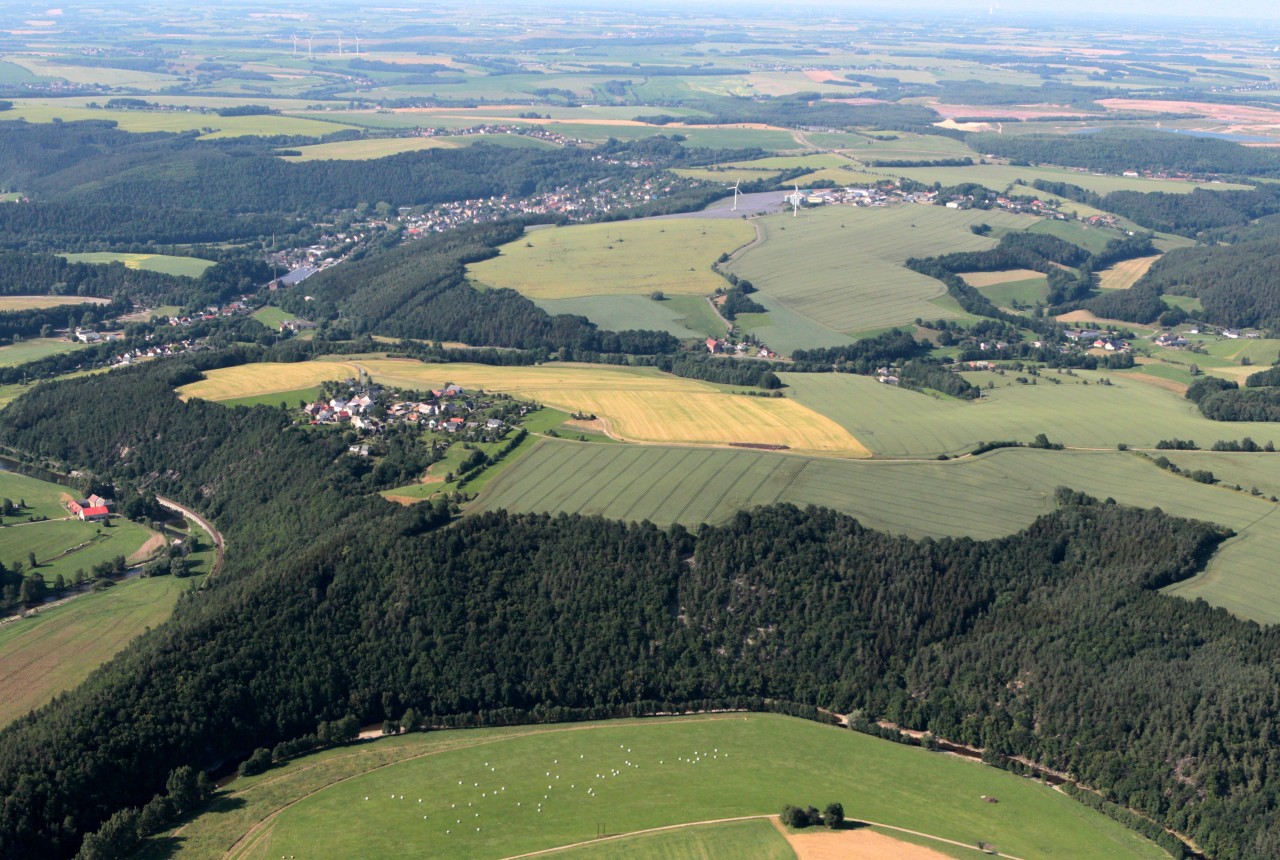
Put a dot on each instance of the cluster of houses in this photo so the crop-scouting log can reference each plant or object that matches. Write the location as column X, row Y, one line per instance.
column 131, row 356
column 720, row 346
column 1091, row 338
column 212, row 312
column 534, row 131
column 446, row 409
column 93, row 509
column 1175, row 340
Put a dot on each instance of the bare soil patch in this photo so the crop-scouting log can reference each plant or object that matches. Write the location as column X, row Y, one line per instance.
column 861, row 844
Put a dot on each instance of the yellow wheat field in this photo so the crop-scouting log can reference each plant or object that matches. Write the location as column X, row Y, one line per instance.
column 637, row 404
column 1125, row 274
column 26, row 303
column 231, row 383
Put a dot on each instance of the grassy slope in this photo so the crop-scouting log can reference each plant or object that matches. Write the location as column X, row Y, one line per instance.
column 271, row 316
column 842, row 266
column 620, row 313
column 617, row 258
column 169, row 265
column 759, row 763
column 34, row 349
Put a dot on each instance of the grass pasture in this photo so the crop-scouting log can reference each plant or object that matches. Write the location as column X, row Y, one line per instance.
column 192, row 267
column 67, row 545
column 56, row 650
column 617, row 258
column 272, row 316
column 290, row 398
column 1125, row 274
column 481, row 791
column 639, row 404
column 35, row 349
column 681, row 316
column 1024, row 286
column 841, row 266
column 365, row 149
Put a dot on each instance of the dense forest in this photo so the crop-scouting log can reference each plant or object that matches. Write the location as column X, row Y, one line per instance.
column 1238, row 285
column 1118, row 150
column 1051, row 643
column 1225, row 400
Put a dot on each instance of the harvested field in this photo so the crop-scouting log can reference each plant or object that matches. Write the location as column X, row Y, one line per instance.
column 1124, row 275
column 618, row 258
column 164, row 263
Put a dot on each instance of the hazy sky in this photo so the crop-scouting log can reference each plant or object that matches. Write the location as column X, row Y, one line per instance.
column 1256, row 10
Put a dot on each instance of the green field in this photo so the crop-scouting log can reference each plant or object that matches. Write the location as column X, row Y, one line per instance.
column 35, row 349
column 1027, row 292
column 894, row 422
column 477, row 793
column 983, row 497
column 275, row 398
column 841, row 266
column 271, row 316
column 632, row 258
column 1092, row 239
column 190, row 266
column 681, row 316
column 58, row 648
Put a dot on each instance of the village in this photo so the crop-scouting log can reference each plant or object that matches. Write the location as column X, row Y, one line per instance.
column 370, row 409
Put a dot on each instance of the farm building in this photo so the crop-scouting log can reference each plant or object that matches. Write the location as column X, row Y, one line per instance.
column 87, row 511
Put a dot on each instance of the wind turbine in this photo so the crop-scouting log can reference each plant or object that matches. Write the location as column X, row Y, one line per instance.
column 295, row 43
column 339, row 46
column 735, row 194
column 795, row 201
column 308, row 47
column 357, row 46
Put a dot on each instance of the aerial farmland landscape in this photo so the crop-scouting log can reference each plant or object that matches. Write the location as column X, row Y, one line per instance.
column 596, row 430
